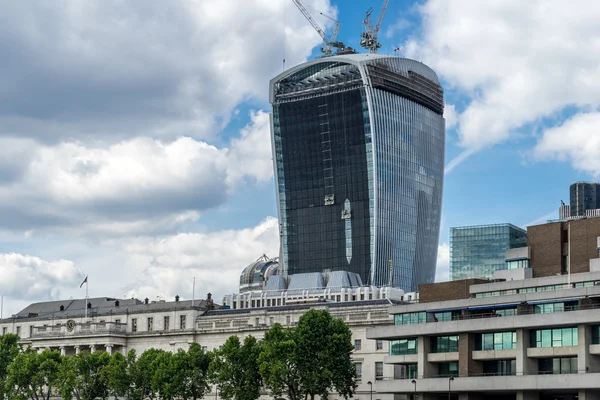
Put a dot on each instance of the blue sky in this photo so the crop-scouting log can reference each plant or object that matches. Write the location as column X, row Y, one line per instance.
column 134, row 137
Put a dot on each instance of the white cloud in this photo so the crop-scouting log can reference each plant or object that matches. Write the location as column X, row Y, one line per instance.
column 442, row 272
column 113, row 70
column 400, row 25
column 26, row 277
column 450, row 115
column 516, row 62
column 166, row 266
column 137, row 185
column 576, row 141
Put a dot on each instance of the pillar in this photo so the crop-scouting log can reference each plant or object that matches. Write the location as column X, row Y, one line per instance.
column 425, row 369
column 109, row 349
column 92, row 348
column 63, row 351
column 585, row 362
column 77, row 349
column 466, row 365
column 525, row 365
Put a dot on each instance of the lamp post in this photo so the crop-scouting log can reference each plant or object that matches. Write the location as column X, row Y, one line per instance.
column 449, row 383
column 370, row 389
column 414, row 382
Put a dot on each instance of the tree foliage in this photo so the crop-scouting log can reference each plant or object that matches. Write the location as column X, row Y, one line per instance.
column 309, row 360
column 235, row 369
column 84, row 376
column 9, row 349
column 33, row 375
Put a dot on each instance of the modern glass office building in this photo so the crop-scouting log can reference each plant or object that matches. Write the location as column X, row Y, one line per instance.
column 358, row 143
column 478, row 251
column 584, row 196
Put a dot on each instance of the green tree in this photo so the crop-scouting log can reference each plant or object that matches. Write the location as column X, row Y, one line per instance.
column 164, row 375
column 141, row 373
column 277, row 362
column 84, row 376
column 196, row 384
column 309, row 360
column 235, row 369
column 33, row 375
column 9, row 348
column 118, row 375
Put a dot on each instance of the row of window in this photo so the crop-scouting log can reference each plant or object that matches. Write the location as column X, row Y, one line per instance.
column 378, row 371
column 358, row 344
column 535, row 289
column 166, row 323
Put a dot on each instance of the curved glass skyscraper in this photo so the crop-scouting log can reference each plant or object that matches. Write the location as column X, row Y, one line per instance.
column 358, row 143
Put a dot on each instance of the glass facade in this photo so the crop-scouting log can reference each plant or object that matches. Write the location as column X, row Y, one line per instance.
column 560, row 337
column 444, row 344
column 496, row 341
column 478, row 251
column 559, row 365
column 402, row 347
column 584, row 196
column 448, row 369
column 358, row 142
column 410, row 318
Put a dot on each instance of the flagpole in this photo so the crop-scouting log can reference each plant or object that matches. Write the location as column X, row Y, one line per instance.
column 194, row 292
column 86, row 297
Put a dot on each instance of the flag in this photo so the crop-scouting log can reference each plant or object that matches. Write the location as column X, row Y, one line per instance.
column 84, row 281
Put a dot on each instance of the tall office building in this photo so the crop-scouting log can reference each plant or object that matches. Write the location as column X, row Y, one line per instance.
column 478, row 251
column 584, row 196
column 358, row 145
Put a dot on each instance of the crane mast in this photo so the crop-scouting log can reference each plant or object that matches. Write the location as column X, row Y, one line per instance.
column 369, row 36
column 329, row 42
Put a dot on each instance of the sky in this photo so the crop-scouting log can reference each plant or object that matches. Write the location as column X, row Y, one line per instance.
column 135, row 144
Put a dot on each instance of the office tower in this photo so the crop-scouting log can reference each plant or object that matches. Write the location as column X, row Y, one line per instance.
column 564, row 211
column 358, row 145
column 584, row 196
column 478, row 251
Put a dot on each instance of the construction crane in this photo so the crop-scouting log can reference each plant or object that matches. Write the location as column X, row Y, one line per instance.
column 329, row 42
column 369, row 36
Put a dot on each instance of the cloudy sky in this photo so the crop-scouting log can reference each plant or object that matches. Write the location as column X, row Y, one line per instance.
column 134, row 136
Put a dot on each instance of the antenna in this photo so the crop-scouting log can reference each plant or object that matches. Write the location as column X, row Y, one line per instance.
column 329, row 42
column 369, row 36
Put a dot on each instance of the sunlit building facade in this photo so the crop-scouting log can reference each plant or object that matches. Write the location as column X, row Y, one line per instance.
column 479, row 251
column 358, row 143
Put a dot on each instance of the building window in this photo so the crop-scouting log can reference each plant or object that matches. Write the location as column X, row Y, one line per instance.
column 18, row 331
column 408, row 371
column 4, row 330
column 117, row 321
column 403, row 347
column 379, row 344
column 596, row 334
column 287, row 320
column 182, row 321
column 410, row 318
column 561, row 337
column 150, row 324
column 563, row 365
column 499, row 367
column 271, row 321
column 31, row 331
column 358, row 367
column 444, row 344
column 166, row 323
column 378, row 371
column 133, row 324
column 517, row 264
column 256, row 321
column 556, row 307
column 448, row 369
column 496, row 341
column 357, row 344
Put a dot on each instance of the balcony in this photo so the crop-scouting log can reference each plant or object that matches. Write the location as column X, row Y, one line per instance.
column 77, row 329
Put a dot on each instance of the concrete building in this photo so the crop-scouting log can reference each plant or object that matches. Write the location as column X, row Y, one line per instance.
column 358, row 143
column 479, row 251
column 518, row 337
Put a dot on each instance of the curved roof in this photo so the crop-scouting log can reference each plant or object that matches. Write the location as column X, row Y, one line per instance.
column 258, row 271
column 399, row 63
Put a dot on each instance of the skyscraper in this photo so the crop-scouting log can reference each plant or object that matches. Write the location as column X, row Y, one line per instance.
column 478, row 251
column 584, row 196
column 358, row 144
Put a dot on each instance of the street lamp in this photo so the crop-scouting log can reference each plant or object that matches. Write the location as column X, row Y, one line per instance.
column 370, row 389
column 449, row 383
column 414, row 382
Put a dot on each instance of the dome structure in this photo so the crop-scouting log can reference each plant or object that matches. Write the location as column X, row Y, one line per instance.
column 254, row 276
